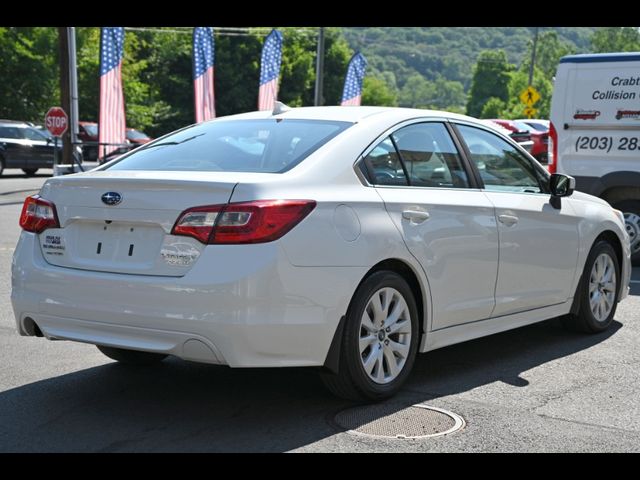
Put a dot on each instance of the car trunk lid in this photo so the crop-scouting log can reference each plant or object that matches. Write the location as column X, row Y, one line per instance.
column 121, row 222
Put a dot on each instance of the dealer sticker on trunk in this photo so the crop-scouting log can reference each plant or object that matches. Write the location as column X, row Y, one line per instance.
column 53, row 245
column 179, row 254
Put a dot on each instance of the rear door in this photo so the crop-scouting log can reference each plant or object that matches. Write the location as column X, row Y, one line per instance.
column 41, row 151
column 447, row 225
column 538, row 243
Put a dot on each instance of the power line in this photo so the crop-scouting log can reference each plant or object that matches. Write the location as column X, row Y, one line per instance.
column 221, row 31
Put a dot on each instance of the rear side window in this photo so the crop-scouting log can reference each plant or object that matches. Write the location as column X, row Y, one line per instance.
column 10, row 132
column 268, row 146
column 384, row 165
column 430, row 157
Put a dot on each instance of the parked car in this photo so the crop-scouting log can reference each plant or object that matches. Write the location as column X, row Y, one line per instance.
column 344, row 238
column 88, row 133
column 26, row 147
column 524, row 141
column 136, row 137
column 520, row 130
column 78, row 156
column 538, row 124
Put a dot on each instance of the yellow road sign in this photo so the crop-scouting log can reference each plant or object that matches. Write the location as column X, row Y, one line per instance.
column 530, row 96
column 530, row 112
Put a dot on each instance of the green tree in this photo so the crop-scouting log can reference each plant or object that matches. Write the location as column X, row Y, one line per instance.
column 549, row 51
column 448, row 95
column 376, row 92
column 518, row 83
column 30, row 72
column 616, row 39
column 417, row 92
column 490, row 79
column 337, row 56
column 494, row 108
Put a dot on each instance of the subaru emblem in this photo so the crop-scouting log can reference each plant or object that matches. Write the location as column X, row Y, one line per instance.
column 111, row 198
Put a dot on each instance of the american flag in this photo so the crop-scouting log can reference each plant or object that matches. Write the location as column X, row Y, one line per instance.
column 112, row 119
column 203, row 66
column 352, row 93
column 270, row 71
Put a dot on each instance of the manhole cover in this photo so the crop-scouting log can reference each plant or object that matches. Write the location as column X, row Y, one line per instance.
column 393, row 421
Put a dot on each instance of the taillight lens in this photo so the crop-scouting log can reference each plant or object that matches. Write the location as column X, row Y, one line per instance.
column 249, row 222
column 553, row 149
column 38, row 214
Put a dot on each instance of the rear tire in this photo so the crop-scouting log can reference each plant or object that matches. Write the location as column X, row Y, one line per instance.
column 380, row 341
column 131, row 357
column 30, row 172
column 631, row 210
column 597, row 291
column 1, row 165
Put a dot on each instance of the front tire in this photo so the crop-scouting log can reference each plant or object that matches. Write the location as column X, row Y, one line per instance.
column 631, row 211
column 131, row 357
column 380, row 341
column 597, row 291
column 1, row 165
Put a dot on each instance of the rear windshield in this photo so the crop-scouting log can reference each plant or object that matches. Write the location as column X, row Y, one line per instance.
column 268, row 146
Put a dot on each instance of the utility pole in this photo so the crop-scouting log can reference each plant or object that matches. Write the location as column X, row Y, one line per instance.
column 533, row 56
column 318, row 100
column 65, row 94
column 73, row 86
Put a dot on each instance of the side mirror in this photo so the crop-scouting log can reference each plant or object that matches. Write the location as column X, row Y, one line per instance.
column 560, row 186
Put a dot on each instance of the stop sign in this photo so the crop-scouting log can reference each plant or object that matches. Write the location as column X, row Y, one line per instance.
column 56, row 121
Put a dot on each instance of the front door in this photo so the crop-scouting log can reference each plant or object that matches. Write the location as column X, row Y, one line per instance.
column 538, row 243
column 448, row 226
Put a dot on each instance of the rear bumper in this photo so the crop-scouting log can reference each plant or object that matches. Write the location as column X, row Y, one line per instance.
column 242, row 306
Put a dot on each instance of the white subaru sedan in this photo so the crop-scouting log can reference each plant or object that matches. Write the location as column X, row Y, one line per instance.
column 344, row 238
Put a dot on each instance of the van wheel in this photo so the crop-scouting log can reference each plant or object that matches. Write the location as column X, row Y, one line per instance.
column 380, row 341
column 631, row 210
column 597, row 291
column 131, row 357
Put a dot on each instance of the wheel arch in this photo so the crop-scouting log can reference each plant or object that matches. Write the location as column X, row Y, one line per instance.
column 406, row 271
column 612, row 238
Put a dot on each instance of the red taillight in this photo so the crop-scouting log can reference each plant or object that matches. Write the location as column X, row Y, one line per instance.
column 553, row 149
column 38, row 214
column 250, row 222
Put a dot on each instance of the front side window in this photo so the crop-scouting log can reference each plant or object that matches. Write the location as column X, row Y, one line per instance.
column 267, row 146
column 430, row 156
column 502, row 167
column 33, row 134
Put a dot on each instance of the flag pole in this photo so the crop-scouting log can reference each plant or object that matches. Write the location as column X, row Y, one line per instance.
column 318, row 100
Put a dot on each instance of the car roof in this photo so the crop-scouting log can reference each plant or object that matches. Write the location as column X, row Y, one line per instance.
column 345, row 114
column 15, row 123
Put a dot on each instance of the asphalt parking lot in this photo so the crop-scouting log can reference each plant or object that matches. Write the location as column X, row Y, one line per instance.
column 538, row 388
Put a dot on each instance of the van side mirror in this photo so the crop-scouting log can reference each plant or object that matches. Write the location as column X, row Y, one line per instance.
column 560, row 186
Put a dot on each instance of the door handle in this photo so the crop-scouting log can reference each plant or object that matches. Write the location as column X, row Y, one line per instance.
column 416, row 216
column 508, row 220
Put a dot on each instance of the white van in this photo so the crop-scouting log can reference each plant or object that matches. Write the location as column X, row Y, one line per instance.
column 595, row 130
